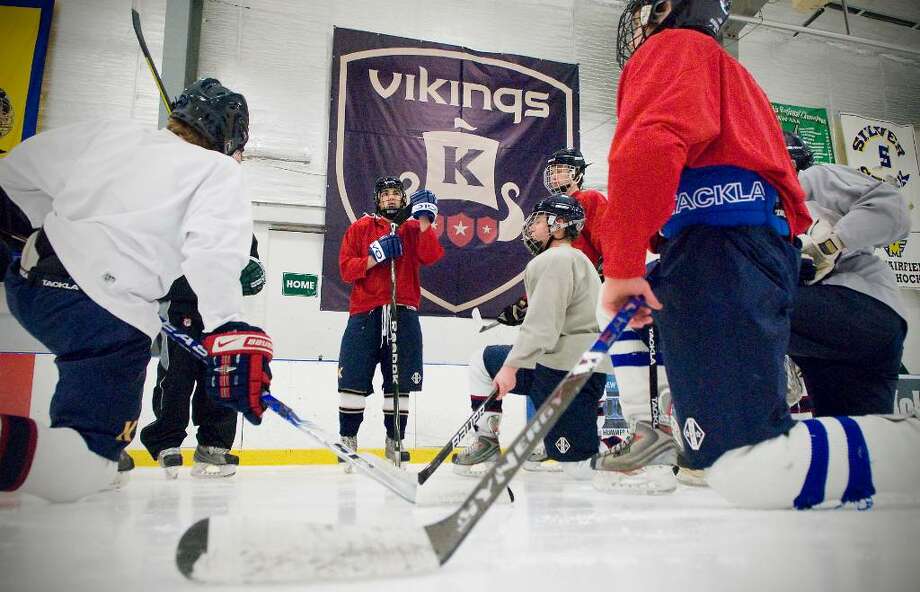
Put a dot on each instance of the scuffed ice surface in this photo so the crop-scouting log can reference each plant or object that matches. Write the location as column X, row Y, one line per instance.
column 558, row 536
column 248, row 550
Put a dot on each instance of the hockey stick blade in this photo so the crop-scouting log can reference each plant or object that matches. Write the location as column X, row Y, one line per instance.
column 477, row 317
column 455, row 440
column 377, row 469
column 136, row 21
column 246, row 550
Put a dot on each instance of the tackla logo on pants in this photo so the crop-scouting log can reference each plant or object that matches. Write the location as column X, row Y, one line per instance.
column 693, row 433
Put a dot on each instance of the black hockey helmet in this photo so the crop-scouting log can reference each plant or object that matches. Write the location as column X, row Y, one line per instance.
column 800, row 152
column 565, row 157
column 381, row 185
column 562, row 212
column 216, row 112
column 706, row 16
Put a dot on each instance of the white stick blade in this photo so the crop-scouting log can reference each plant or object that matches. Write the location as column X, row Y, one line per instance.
column 225, row 550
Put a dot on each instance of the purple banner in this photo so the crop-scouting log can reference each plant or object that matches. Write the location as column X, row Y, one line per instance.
column 473, row 127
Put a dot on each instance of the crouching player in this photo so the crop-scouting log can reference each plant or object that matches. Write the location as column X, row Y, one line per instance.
column 562, row 287
column 693, row 124
column 122, row 217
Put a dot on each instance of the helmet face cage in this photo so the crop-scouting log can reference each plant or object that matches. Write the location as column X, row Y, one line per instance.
column 706, row 16
column 561, row 213
column 563, row 169
column 381, row 185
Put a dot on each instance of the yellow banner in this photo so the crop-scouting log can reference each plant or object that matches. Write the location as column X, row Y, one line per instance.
column 24, row 41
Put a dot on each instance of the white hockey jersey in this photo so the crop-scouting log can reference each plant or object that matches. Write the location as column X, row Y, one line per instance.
column 129, row 209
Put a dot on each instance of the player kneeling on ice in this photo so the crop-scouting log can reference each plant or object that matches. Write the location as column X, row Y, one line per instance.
column 728, row 271
column 124, row 211
column 366, row 260
column 562, row 287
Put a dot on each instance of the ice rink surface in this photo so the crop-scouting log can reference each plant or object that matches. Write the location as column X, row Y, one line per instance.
column 560, row 536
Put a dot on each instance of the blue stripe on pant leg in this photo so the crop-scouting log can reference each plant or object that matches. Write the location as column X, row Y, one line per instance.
column 859, row 485
column 812, row 492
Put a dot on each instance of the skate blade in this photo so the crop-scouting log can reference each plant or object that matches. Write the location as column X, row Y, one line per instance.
column 651, row 480
column 477, row 470
column 544, row 466
column 209, row 471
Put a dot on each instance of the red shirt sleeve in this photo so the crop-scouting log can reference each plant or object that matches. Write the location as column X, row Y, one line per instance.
column 588, row 242
column 353, row 255
column 667, row 108
column 429, row 248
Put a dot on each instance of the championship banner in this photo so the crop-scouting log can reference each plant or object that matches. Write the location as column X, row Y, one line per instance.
column 473, row 127
column 811, row 124
column 24, row 28
column 888, row 151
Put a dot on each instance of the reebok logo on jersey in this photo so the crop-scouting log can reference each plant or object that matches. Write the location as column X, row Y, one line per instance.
column 693, row 433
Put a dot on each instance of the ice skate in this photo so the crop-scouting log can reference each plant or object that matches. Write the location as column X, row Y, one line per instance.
column 643, row 463
column 351, row 443
column 579, row 470
column 125, row 466
column 688, row 476
column 171, row 461
column 539, row 461
column 481, row 454
column 213, row 462
column 390, row 452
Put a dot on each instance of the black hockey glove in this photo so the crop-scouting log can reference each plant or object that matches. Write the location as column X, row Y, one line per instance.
column 513, row 314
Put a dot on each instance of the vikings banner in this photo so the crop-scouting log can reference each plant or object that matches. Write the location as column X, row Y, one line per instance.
column 888, row 151
column 24, row 28
column 473, row 127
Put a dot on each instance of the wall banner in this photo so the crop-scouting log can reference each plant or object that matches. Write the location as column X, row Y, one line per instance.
column 24, row 29
column 811, row 124
column 888, row 151
column 473, row 127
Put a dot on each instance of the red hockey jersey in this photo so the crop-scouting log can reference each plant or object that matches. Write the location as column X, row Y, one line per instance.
column 684, row 104
column 371, row 287
column 588, row 241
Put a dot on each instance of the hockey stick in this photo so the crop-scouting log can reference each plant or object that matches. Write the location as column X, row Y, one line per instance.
column 482, row 326
column 653, row 378
column 223, row 550
column 455, row 440
column 378, row 470
column 394, row 357
column 136, row 19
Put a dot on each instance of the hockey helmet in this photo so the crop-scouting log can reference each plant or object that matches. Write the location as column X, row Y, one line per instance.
column 216, row 112
column 392, row 213
column 800, row 152
column 643, row 18
column 562, row 212
column 565, row 158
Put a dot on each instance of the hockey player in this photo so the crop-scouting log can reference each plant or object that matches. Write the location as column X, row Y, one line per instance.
column 699, row 170
column 848, row 323
column 124, row 211
column 562, row 285
column 367, row 249
column 181, row 381
column 564, row 173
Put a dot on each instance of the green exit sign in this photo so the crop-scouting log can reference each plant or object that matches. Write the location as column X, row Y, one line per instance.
column 298, row 284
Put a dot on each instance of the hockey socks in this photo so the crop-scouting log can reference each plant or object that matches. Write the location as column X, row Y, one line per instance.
column 388, row 414
column 824, row 462
column 351, row 413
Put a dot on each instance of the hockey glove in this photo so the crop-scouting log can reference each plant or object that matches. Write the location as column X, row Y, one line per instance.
column 238, row 372
column 424, row 203
column 252, row 279
column 822, row 245
column 513, row 314
column 386, row 247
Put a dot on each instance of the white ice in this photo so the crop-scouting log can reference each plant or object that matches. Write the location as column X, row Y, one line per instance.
column 560, row 536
